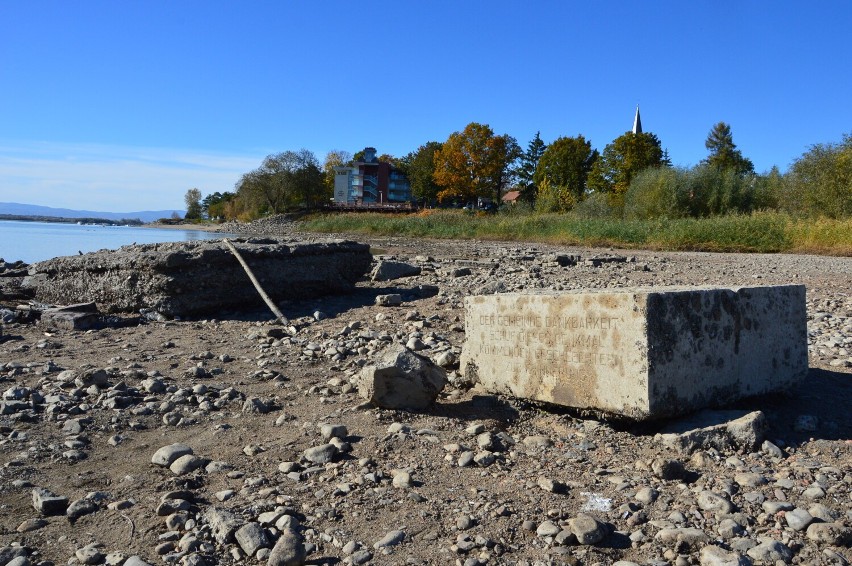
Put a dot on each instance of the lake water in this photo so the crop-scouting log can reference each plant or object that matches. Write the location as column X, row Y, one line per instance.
column 38, row 241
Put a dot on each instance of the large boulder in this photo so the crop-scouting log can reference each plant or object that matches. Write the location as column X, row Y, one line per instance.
column 401, row 379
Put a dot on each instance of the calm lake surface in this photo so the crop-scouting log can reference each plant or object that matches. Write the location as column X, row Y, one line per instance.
column 38, row 241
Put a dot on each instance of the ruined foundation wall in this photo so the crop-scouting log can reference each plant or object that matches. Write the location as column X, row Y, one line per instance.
column 192, row 278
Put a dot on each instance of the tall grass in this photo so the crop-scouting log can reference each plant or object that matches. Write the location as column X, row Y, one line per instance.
column 759, row 232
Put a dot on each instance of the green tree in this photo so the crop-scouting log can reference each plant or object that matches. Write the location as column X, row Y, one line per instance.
column 284, row 181
column 192, row 198
column 622, row 159
column 213, row 205
column 566, row 163
column 419, row 167
column 475, row 163
column 821, row 180
column 527, row 165
column 723, row 151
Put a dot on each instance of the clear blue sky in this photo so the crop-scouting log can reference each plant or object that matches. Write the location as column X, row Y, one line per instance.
column 123, row 106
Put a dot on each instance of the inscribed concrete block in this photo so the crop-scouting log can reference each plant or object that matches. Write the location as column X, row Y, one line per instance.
column 643, row 353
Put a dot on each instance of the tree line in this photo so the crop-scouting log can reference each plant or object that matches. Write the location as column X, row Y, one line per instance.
column 633, row 177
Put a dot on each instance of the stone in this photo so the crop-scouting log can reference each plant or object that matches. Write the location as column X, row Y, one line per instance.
column 688, row 535
column 715, row 556
column 798, row 519
column 166, row 455
column 135, row 561
column 401, row 379
column 252, row 537
column 329, row 431
column 186, row 464
column 79, row 508
column 834, row 534
column 390, row 300
column 48, row 503
column 642, row 353
column 322, row 454
column 770, row 551
column 390, row 270
column 548, row 529
column 392, row 538
column 289, row 550
column 222, row 523
column 89, row 554
column 587, row 529
column 722, row 430
column 715, row 503
column 198, row 277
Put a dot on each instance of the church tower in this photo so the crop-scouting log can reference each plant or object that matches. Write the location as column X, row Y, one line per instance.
column 637, row 122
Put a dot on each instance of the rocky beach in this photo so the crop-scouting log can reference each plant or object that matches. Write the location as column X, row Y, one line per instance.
column 230, row 438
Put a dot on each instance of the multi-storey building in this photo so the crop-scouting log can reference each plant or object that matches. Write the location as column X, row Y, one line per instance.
column 370, row 181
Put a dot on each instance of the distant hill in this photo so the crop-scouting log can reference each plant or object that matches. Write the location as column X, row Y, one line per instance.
column 35, row 210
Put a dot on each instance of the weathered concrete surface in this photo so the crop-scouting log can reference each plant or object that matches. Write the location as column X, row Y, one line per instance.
column 643, row 353
column 200, row 277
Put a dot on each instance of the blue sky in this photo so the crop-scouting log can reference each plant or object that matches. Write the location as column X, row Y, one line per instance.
column 123, row 106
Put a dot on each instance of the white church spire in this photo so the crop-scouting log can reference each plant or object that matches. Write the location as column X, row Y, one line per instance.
column 637, row 122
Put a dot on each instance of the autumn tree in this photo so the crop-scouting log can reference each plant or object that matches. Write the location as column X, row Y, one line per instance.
column 527, row 165
column 475, row 163
column 566, row 163
column 192, row 199
column 723, row 151
column 419, row 167
column 622, row 159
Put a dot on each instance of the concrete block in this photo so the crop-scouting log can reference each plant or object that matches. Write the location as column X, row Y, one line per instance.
column 642, row 353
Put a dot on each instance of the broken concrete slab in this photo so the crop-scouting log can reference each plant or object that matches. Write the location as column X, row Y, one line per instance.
column 401, row 379
column 80, row 316
column 390, row 270
column 642, row 353
column 722, row 430
column 200, row 277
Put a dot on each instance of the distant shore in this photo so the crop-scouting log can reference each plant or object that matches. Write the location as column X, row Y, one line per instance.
column 182, row 226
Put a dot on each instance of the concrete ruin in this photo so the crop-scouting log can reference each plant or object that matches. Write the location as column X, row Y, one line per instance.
column 642, row 353
column 200, row 277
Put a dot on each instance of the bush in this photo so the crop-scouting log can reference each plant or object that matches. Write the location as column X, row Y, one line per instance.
column 597, row 205
column 658, row 192
column 821, row 181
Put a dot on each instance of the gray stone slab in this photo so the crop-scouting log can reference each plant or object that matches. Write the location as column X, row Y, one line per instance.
column 643, row 353
column 200, row 277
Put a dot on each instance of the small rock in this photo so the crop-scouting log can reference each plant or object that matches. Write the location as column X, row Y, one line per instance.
column 252, row 537
column 289, row 550
column 48, row 503
column 186, row 464
column 166, row 455
column 834, row 534
column 587, row 529
column 79, row 508
column 321, row 454
column 390, row 539
column 770, row 551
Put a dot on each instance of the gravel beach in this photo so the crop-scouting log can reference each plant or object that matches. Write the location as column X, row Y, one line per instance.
column 228, row 440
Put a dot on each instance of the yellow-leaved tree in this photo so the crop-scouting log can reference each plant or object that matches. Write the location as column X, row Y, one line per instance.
column 475, row 163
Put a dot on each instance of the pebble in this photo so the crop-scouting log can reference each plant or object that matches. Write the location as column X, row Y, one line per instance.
column 392, row 538
column 289, row 550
